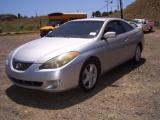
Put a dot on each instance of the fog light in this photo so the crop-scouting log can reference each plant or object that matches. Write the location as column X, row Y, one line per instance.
column 56, row 83
column 53, row 84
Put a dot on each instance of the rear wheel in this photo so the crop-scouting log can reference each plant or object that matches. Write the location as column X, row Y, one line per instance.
column 151, row 29
column 88, row 76
column 137, row 55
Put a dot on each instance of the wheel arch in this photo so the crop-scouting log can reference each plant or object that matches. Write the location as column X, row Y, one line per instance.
column 94, row 60
column 141, row 46
column 97, row 62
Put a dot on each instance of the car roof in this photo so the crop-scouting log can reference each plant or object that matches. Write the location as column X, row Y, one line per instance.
column 132, row 22
column 98, row 19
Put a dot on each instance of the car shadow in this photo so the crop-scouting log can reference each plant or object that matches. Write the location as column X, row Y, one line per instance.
column 148, row 32
column 56, row 101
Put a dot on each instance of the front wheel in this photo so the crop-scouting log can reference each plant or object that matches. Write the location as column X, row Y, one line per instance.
column 137, row 55
column 88, row 76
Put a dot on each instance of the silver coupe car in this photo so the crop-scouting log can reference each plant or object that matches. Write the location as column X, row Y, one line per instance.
column 74, row 55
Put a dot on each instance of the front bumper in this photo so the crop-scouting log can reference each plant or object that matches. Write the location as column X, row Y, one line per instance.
column 53, row 80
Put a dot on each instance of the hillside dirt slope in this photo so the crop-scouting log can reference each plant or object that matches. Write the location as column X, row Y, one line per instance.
column 149, row 9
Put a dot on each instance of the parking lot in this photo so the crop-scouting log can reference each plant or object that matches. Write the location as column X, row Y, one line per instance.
column 128, row 92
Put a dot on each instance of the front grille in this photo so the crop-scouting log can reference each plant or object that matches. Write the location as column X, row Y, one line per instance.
column 26, row 83
column 22, row 66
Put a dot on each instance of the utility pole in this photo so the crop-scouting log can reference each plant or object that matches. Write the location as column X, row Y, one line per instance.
column 121, row 5
column 36, row 12
column 107, row 6
column 117, row 5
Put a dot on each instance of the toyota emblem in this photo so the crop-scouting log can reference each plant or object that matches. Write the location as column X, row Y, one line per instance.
column 18, row 65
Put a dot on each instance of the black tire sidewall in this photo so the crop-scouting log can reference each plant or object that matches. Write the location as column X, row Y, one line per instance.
column 151, row 29
column 81, row 85
column 134, row 59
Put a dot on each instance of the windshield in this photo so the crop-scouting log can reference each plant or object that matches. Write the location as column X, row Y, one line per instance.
column 137, row 21
column 54, row 22
column 78, row 29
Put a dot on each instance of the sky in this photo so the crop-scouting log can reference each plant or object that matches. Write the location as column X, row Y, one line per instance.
column 43, row 7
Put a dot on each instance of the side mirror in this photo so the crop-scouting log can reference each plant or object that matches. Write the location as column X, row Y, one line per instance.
column 109, row 35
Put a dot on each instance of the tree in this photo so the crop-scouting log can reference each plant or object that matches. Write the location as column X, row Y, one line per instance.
column 12, row 16
column 110, row 12
column 116, row 11
column 19, row 15
column 93, row 14
column 25, row 16
column 104, row 14
column 97, row 14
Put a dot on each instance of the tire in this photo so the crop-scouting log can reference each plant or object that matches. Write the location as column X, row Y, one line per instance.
column 0, row 30
column 151, row 29
column 137, row 55
column 88, row 76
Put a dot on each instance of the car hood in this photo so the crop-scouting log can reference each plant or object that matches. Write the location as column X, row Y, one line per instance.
column 37, row 50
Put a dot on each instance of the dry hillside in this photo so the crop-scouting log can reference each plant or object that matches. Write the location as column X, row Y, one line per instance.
column 149, row 9
column 23, row 24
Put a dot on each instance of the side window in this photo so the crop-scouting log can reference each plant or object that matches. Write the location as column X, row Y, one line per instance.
column 115, row 26
column 126, row 26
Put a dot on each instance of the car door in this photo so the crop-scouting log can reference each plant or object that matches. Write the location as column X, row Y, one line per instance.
column 114, row 48
column 131, row 39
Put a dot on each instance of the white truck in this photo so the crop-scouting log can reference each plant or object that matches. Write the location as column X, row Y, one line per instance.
column 144, row 24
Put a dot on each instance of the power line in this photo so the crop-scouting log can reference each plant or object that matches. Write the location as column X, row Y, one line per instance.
column 107, row 1
column 91, row 11
column 102, row 8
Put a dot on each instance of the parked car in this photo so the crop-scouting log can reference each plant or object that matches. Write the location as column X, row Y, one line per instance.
column 75, row 54
column 144, row 24
column 135, row 25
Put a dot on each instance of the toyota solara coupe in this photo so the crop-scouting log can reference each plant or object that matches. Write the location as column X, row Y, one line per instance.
column 74, row 55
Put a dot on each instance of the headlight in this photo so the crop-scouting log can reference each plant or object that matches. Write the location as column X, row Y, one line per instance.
column 59, row 61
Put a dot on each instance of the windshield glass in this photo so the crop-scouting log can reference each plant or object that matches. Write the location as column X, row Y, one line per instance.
column 137, row 21
column 78, row 29
column 54, row 22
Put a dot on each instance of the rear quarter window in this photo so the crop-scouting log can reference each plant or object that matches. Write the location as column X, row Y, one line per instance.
column 127, row 27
